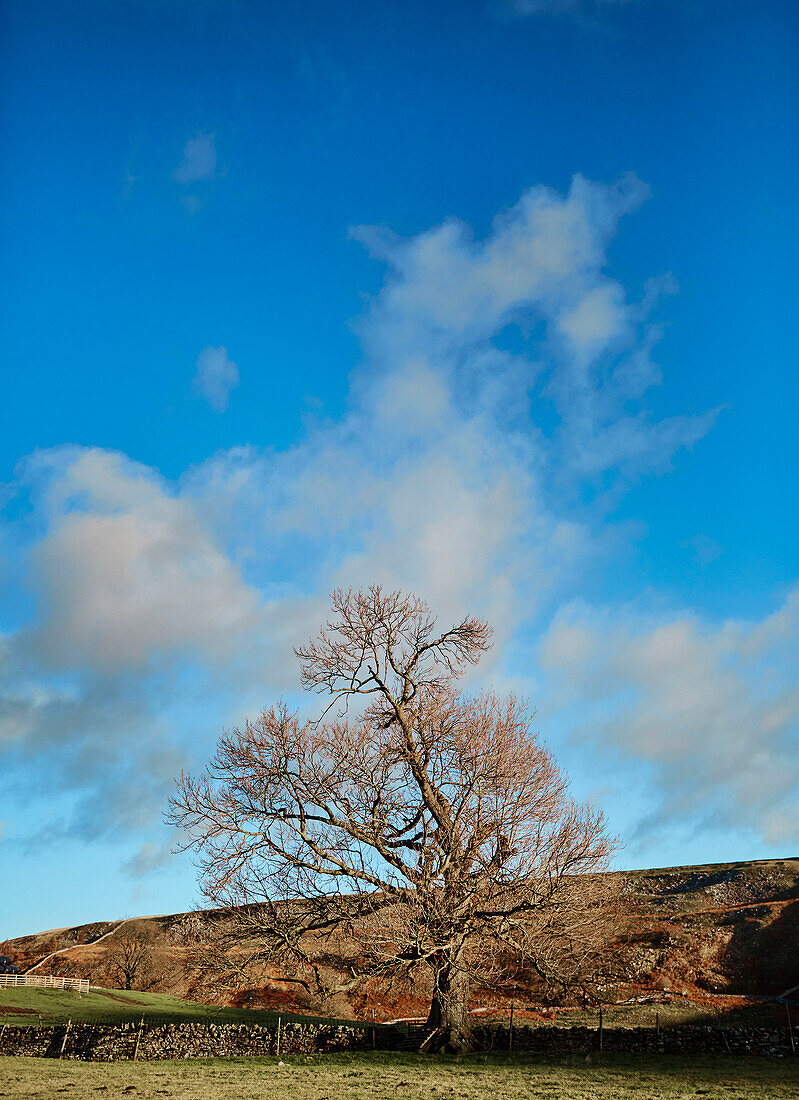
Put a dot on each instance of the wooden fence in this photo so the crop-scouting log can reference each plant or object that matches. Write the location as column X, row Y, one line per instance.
column 46, row 981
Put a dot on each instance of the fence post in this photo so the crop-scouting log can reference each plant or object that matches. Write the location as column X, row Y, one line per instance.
column 138, row 1038
column 510, row 1029
column 278, row 1036
column 790, row 1029
column 64, row 1041
column 373, row 1029
column 719, row 1027
column 600, row 1029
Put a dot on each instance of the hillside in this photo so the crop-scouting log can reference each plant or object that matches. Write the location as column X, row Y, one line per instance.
column 715, row 934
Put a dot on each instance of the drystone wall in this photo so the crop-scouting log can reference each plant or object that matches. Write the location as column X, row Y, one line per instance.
column 688, row 1039
column 110, row 1043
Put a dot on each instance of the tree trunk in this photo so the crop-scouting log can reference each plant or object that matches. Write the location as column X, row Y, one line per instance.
column 447, row 1029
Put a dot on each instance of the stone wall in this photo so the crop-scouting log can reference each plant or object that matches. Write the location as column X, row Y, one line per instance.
column 687, row 1039
column 109, row 1043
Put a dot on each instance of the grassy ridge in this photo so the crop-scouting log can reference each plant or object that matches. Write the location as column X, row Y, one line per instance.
column 411, row 1077
column 29, row 1005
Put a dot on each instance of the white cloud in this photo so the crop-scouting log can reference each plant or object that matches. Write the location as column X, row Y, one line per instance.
column 391, row 496
column 198, row 161
column 102, row 746
column 442, row 477
column 127, row 573
column 543, row 263
column 215, row 376
column 543, row 253
column 140, row 612
column 598, row 318
column 711, row 709
column 438, row 478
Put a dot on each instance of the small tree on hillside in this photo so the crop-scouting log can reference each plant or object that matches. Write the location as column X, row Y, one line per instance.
column 432, row 828
column 131, row 957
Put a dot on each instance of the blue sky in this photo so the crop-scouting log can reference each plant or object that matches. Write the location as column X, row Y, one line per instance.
column 491, row 300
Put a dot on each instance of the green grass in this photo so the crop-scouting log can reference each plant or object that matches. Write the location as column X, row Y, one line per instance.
column 669, row 1014
column 410, row 1077
column 55, row 1006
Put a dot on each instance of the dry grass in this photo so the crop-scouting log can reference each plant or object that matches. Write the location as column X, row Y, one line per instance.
column 407, row 1077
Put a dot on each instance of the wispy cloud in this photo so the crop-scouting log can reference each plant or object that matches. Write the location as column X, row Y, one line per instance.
column 711, row 709
column 197, row 169
column 543, row 264
column 215, row 376
column 198, row 161
column 576, row 8
column 150, row 859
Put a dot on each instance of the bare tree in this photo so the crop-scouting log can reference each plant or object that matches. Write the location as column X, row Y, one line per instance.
column 428, row 833
column 131, row 957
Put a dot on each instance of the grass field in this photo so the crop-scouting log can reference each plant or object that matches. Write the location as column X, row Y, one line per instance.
column 409, row 1077
column 725, row 1011
column 25, row 1005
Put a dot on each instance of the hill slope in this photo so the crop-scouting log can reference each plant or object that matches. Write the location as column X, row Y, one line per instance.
column 694, row 932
